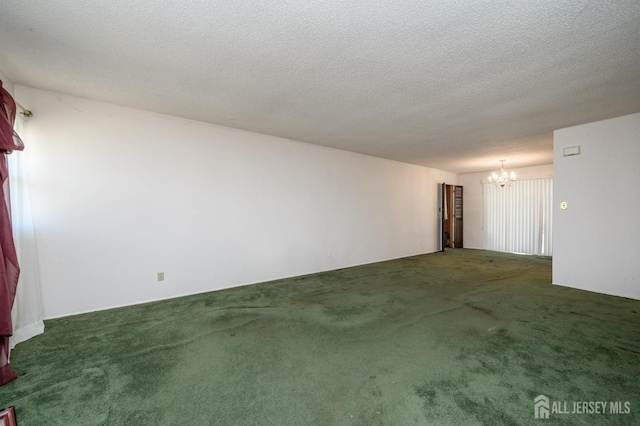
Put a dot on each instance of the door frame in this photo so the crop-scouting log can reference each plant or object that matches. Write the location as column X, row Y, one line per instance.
column 443, row 196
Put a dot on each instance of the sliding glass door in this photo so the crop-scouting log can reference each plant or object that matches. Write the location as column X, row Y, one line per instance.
column 518, row 219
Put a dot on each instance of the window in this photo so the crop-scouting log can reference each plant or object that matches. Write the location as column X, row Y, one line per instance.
column 518, row 219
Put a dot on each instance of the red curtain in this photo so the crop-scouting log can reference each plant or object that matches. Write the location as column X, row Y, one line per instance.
column 9, row 268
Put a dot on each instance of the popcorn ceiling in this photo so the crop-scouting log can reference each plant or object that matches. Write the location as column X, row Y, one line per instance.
column 454, row 85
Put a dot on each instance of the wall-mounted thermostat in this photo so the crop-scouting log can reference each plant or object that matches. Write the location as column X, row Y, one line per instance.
column 572, row 150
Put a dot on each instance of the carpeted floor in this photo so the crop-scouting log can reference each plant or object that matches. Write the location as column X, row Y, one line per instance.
column 457, row 338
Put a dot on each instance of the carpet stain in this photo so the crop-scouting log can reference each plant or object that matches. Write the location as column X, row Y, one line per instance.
column 481, row 309
column 426, row 394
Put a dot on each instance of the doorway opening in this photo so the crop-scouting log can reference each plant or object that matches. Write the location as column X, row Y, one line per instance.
column 451, row 216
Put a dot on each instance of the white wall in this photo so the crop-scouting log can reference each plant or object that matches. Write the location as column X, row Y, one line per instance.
column 119, row 194
column 473, row 225
column 7, row 84
column 595, row 241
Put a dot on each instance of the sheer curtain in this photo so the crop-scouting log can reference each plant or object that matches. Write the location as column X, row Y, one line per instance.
column 26, row 314
column 518, row 219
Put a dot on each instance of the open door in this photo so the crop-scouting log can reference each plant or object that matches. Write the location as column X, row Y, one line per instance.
column 450, row 214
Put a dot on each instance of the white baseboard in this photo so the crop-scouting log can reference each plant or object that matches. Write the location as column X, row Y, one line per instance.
column 26, row 333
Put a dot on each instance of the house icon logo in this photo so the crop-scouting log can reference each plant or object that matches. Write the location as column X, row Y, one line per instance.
column 541, row 407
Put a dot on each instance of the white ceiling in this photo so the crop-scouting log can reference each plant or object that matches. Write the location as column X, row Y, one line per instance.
column 451, row 84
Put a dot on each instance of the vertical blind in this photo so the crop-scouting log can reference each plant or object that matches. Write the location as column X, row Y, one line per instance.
column 518, row 219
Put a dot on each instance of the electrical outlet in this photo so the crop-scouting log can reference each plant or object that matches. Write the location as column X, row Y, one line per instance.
column 160, row 276
column 564, row 205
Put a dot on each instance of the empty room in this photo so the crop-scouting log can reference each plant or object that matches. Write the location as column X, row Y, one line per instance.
column 320, row 213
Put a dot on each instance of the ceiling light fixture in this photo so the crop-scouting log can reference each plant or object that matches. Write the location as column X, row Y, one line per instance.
column 503, row 179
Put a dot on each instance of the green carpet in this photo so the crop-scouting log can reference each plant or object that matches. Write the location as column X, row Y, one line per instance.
column 458, row 338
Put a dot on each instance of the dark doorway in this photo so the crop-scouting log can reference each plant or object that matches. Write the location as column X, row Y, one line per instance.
column 451, row 214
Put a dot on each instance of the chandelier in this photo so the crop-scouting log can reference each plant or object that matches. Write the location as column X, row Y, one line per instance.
column 503, row 179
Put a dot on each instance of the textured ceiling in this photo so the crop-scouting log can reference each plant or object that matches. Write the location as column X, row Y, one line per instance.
column 451, row 84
